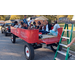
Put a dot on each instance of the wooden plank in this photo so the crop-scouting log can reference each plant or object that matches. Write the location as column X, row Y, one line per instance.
column 45, row 36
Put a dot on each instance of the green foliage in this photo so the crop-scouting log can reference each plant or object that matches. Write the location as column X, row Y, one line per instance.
column 50, row 17
column 12, row 17
column 2, row 17
column 70, row 17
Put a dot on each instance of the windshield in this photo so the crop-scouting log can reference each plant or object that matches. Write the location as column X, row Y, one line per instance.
column 8, row 24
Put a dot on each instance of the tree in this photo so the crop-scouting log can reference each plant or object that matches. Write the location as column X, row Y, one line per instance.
column 51, row 17
column 12, row 17
column 7, row 17
column 59, row 16
column 2, row 17
column 70, row 17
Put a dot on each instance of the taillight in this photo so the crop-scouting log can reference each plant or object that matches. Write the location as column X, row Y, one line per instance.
column 7, row 28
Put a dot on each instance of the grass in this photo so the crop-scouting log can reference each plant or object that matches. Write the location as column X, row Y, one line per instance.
column 65, row 34
column 65, row 42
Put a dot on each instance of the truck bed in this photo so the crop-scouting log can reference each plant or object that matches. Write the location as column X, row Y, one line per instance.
column 32, row 36
column 46, row 36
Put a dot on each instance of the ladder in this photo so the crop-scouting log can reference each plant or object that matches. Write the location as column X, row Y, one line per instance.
column 69, row 38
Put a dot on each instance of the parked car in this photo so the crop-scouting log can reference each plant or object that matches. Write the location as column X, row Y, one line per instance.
column 1, row 24
column 6, row 28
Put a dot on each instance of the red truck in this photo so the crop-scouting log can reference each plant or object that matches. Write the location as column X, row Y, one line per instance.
column 32, row 41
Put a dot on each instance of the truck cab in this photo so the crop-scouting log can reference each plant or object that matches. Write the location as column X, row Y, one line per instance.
column 6, row 28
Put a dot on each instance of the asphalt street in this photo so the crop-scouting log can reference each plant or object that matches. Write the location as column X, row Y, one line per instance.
column 10, row 51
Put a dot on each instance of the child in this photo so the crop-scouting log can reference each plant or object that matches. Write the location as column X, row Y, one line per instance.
column 30, row 21
column 16, row 24
column 34, row 25
column 71, row 42
column 25, row 26
column 40, row 28
column 21, row 25
column 54, row 31
column 29, row 27
column 39, row 25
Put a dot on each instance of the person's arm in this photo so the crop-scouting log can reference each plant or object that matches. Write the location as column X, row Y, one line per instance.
column 54, row 28
column 27, row 22
column 71, row 42
column 40, row 27
column 23, row 20
column 50, row 26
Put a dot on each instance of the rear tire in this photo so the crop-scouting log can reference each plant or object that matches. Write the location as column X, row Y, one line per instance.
column 13, row 39
column 5, row 34
column 55, row 49
column 29, row 51
column 1, row 31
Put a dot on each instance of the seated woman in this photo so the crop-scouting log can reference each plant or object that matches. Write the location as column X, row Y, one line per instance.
column 24, row 26
column 31, row 25
column 34, row 25
column 54, row 31
column 21, row 25
column 16, row 24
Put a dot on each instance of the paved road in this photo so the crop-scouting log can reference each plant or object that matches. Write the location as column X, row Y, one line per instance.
column 10, row 51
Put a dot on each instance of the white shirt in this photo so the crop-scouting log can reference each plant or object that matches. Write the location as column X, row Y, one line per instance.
column 47, row 27
column 16, row 26
column 30, row 21
column 19, row 26
column 43, row 28
column 56, row 26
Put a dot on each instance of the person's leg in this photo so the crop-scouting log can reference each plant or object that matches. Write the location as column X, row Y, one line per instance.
column 43, row 32
column 53, row 33
column 71, row 42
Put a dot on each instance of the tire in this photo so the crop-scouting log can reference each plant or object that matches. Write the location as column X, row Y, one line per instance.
column 1, row 31
column 13, row 38
column 10, row 34
column 5, row 34
column 29, row 51
column 54, row 49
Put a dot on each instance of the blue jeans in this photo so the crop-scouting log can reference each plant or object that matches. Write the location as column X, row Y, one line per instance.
column 43, row 32
column 53, row 33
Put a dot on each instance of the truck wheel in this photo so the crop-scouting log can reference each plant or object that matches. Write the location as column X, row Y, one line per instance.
column 54, row 48
column 29, row 51
column 5, row 34
column 1, row 31
column 13, row 38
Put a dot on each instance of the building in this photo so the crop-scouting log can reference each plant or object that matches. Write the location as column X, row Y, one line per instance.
column 42, row 19
column 63, row 19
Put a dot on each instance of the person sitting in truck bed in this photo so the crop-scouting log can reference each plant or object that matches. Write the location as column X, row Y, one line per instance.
column 40, row 28
column 54, row 31
column 21, row 25
column 34, row 25
column 24, row 26
column 16, row 24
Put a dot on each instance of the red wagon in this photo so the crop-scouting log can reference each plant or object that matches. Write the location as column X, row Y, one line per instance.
column 31, row 37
